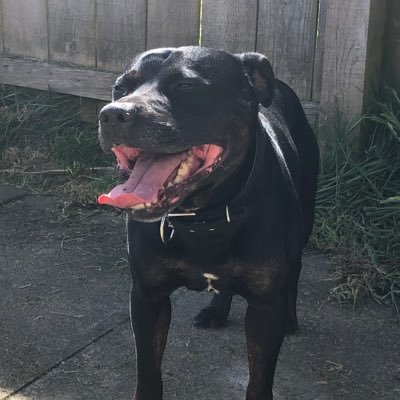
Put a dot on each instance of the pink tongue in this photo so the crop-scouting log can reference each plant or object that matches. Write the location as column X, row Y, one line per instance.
column 147, row 178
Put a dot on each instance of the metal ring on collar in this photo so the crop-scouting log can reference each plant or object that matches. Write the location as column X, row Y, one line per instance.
column 162, row 230
column 227, row 214
column 165, row 218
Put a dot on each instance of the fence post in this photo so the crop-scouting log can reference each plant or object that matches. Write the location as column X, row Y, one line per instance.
column 353, row 39
column 392, row 45
column 1, row 27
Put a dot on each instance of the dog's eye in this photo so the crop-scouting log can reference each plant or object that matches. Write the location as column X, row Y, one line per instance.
column 120, row 90
column 185, row 85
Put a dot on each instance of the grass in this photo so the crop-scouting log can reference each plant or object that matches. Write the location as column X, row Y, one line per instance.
column 358, row 209
column 41, row 131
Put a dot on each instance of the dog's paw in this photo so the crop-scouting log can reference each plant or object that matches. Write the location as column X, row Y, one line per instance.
column 208, row 318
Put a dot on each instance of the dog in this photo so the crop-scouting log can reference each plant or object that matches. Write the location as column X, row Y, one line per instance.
column 220, row 169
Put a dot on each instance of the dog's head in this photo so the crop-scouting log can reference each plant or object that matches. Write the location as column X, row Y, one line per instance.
column 181, row 122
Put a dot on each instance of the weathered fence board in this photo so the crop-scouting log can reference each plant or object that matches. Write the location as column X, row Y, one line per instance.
column 1, row 27
column 286, row 34
column 44, row 76
column 319, row 52
column 349, row 34
column 25, row 28
column 392, row 45
column 72, row 31
column 230, row 24
column 121, row 32
column 173, row 23
column 374, row 55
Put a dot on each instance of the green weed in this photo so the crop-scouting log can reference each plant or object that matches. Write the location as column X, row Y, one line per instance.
column 358, row 209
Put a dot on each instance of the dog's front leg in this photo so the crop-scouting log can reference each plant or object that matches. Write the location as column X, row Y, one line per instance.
column 150, row 323
column 265, row 330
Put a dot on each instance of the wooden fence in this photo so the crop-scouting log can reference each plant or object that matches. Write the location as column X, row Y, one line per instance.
column 329, row 51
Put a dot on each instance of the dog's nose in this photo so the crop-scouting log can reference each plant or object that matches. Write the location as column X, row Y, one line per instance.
column 116, row 114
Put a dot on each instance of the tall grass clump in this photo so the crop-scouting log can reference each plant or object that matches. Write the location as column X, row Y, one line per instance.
column 358, row 209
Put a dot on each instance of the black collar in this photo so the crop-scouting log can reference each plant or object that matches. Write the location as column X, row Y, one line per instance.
column 234, row 212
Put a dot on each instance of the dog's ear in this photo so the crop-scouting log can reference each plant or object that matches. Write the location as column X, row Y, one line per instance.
column 260, row 75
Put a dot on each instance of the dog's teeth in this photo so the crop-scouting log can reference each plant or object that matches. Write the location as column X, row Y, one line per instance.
column 148, row 204
column 184, row 168
column 137, row 207
column 178, row 179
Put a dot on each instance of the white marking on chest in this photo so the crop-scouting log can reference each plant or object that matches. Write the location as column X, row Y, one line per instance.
column 210, row 278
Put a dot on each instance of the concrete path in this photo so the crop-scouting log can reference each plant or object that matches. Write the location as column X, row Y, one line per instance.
column 65, row 334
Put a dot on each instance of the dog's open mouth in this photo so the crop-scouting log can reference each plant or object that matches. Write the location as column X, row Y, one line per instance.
column 159, row 180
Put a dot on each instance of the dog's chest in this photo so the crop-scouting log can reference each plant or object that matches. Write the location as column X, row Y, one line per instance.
column 199, row 276
column 194, row 273
column 211, row 281
column 214, row 263
column 207, row 263
column 233, row 275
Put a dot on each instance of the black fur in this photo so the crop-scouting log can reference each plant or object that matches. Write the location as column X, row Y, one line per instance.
column 178, row 98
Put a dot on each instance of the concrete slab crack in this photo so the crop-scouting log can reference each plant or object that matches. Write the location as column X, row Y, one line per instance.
column 67, row 358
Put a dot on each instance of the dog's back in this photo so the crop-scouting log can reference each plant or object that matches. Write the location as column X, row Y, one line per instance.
column 288, row 119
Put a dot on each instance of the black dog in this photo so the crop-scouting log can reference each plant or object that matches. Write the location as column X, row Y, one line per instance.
column 221, row 152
